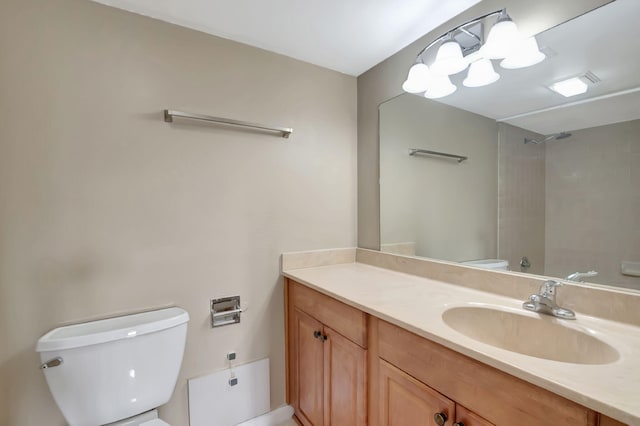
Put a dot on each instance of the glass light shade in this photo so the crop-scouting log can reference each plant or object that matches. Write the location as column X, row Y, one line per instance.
column 525, row 54
column 418, row 79
column 481, row 73
column 502, row 39
column 449, row 59
column 440, row 87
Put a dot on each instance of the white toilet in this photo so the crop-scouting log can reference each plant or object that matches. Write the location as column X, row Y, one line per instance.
column 110, row 371
column 495, row 264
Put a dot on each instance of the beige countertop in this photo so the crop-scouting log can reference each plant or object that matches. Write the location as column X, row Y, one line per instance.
column 417, row 304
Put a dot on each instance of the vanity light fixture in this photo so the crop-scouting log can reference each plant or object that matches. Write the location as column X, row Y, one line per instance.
column 449, row 59
column 419, row 78
column 502, row 38
column 454, row 56
column 525, row 54
column 481, row 73
column 440, row 87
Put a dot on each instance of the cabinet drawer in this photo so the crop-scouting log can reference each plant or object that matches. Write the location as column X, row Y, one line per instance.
column 498, row 397
column 346, row 320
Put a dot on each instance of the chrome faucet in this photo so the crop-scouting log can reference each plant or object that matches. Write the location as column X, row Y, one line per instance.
column 581, row 276
column 545, row 302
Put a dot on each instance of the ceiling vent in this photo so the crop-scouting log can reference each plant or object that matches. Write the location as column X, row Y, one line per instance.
column 590, row 78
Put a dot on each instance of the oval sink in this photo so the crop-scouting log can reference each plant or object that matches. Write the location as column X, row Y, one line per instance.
column 537, row 337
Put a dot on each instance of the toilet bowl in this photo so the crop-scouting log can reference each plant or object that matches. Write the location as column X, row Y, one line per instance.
column 115, row 371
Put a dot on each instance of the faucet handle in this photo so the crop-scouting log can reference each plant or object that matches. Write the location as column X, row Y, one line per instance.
column 549, row 288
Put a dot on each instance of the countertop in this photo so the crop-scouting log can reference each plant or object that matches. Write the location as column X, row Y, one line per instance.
column 417, row 305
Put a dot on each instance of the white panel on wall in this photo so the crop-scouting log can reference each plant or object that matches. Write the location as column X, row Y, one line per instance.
column 214, row 402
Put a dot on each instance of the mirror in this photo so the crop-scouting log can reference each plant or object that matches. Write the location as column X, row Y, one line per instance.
column 551, row 179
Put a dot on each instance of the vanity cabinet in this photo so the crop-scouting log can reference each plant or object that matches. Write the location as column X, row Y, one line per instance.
column 327, row 359
column 404, row 400
column 465, row 417
column 494, row 397
column 345, row 368
column 607, row 421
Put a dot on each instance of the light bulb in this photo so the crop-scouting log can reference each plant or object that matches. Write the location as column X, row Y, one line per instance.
column 418, row 78
column 525, row 54
column 481, row 73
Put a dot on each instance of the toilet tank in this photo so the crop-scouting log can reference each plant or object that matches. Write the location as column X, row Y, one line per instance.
column 114, row 368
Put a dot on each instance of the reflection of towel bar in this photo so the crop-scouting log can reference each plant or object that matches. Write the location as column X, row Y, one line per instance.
column 414, row 151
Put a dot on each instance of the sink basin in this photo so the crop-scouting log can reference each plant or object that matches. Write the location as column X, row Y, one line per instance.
column 542, row 337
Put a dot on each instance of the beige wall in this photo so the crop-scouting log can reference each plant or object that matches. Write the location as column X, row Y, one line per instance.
column 521, row 199
column 384, row 81
column 107, row 209
column 593, row 203
column 448, row 209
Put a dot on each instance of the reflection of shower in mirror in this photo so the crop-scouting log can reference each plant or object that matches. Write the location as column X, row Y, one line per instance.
column 555, row 137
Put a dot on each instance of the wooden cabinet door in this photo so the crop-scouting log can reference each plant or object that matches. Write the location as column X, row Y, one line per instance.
column 406, row 401
column 465, row 417
column 309, row 372
column 345, row 385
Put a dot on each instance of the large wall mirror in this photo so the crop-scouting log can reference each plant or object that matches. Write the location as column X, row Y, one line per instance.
column 551, row 184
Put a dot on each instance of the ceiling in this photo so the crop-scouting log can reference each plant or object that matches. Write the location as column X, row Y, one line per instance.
column 603, row 41
column 346, row 36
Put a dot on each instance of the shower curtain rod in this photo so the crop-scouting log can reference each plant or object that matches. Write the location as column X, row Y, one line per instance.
column 170, row 114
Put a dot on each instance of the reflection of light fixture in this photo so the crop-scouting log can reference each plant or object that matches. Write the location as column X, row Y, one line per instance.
column 525, row 54
column 570, row 87
column 455, row 54
column 440, row 87
column 449, row 59
column 481, row 73
column 418, row 79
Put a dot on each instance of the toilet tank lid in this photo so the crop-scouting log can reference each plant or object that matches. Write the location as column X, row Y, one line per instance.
column 110, row 329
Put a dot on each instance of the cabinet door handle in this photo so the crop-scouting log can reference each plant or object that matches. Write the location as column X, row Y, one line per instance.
column 440, row 418
column 317, row 334
column 323, row 337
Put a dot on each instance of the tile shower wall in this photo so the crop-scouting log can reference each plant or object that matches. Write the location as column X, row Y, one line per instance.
column 593, row 202
column 521, row 199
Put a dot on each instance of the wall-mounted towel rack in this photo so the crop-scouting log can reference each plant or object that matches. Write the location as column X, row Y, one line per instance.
column 170, row 114
column 415, row 151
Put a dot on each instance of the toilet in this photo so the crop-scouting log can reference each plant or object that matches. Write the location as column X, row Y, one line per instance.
column 115, row 371
column 495, row 264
